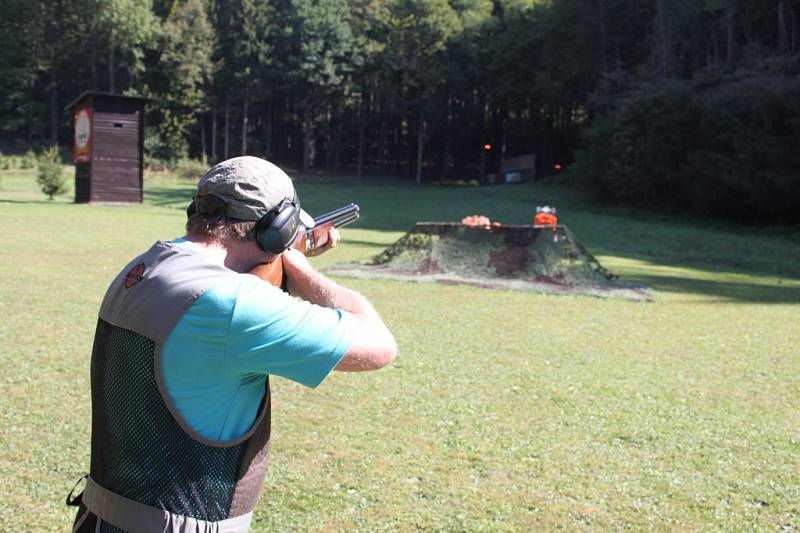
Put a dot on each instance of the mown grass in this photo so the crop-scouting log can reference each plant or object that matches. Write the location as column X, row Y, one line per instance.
column 503, row 412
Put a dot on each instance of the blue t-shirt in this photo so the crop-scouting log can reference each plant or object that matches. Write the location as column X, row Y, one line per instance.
column 216, row 359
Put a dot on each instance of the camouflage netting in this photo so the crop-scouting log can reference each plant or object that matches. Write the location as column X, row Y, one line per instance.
column 540, row 259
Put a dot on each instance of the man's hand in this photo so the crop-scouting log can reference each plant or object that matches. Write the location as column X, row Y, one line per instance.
column 326, row 237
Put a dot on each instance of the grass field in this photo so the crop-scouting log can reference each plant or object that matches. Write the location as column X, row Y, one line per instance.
column 504, row 411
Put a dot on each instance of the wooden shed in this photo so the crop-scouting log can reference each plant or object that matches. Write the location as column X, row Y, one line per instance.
column 108, row 147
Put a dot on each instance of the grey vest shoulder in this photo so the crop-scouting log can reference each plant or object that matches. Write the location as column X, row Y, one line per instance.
column 154, row 290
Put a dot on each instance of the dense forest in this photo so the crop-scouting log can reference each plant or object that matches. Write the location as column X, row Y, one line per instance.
column 675, row 104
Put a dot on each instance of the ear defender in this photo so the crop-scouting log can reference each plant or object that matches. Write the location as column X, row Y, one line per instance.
column 276, row 230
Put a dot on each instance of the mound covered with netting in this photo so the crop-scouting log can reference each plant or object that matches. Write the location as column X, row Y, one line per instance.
column 530, row 258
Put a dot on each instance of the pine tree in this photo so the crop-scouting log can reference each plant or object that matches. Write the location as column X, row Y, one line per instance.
column 129, row 28
column 186, row 61
column 50, row 177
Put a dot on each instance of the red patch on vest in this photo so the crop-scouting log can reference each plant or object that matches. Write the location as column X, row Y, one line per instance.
column 134, row 276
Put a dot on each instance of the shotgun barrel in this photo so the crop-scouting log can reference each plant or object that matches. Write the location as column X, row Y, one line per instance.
column 339, row 217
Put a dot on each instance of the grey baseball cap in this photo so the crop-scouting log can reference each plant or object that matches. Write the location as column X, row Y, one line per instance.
column 250, row 187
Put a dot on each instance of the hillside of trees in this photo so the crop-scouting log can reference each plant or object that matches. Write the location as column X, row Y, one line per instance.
column 672, row 104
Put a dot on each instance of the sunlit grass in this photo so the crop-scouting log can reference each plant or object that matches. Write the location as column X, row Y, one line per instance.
column 504, row 411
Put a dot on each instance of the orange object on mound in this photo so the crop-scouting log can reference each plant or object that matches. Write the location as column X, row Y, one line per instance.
column 480, row 221
column 546, row 216
column 545, row 219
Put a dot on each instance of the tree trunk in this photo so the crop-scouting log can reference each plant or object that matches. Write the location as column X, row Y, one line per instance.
column 729, row 27
column 362, row 128
column 327, row 133
column 226, row 142
column 292, row 138
column 268, row 130
column 94, row 60
column 783, row 34
column 204, row 153
column 420, row 149
column 547, row 144
column 444, row 161
column 663, row 39
column 498, row 122
column 54, row 110
column 603, row 46
column 214, row 132
column 503, row 140
column 337, row 145
column 245, row 105
column 307, row 138
column 747, row 27
column 382, row 146
column 111, row 86
column 712, row 53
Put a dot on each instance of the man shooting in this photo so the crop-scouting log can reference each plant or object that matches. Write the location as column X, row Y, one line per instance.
column 186, row 341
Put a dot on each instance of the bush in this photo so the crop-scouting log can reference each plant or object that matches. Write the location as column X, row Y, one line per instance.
column 748, row 159
column 28, row 161
column 154, row 146
column 728, row 151
column 168, row 142
column 189, row 169
column 50, row 178
column 636, row 151
column 6, row 162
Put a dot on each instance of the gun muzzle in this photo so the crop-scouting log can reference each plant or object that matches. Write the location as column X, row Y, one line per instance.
column 339, row 217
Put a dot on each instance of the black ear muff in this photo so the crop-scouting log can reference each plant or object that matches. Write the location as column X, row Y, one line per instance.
column 191, row 209
column 276, row 230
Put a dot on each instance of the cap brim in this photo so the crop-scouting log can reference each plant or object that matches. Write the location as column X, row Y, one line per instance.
column 307, row 220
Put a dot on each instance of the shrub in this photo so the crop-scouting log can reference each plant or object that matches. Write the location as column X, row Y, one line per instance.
column 50, row 179
column 748, row 156
column 189, row 169
column 28, row 160
column 729, row 150
column 168, row 142
column 6, row 162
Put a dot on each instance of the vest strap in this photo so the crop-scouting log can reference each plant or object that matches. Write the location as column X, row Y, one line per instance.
column 136, row 517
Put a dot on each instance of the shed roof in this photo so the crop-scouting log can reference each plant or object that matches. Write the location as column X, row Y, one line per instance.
column 91, row 94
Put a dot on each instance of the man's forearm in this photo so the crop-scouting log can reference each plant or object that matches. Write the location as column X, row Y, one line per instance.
column 306, row 283
column 374, row 345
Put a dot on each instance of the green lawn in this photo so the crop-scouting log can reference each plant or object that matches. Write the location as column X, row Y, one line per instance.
column 504, row 411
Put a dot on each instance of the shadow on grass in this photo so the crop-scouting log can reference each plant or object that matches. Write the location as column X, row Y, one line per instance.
column 62, row 201
column 724, row 291
column 176, row 196
column 707, row 248
column 367, row 244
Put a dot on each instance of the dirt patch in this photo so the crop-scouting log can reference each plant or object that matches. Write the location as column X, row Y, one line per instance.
column 508, row 261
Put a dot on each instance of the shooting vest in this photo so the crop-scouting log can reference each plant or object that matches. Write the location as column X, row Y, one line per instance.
column 150, row 472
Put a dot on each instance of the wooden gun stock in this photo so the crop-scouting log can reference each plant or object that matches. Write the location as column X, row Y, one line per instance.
column 273, row 272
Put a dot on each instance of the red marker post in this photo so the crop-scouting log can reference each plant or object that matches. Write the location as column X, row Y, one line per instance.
column 486, row 148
